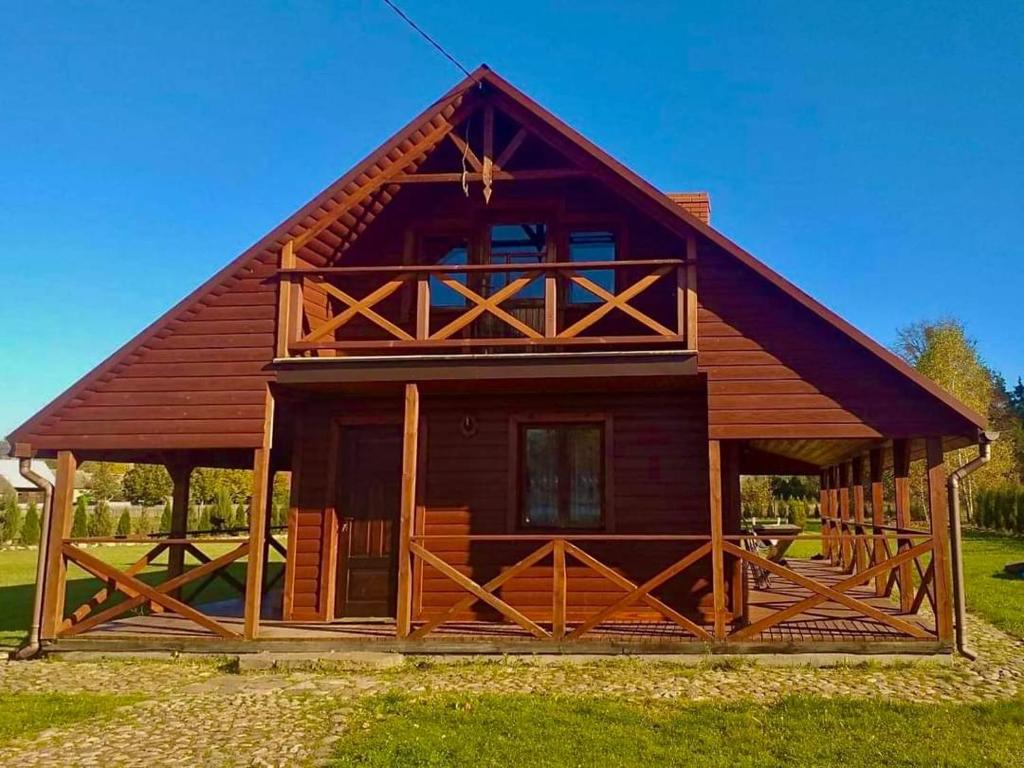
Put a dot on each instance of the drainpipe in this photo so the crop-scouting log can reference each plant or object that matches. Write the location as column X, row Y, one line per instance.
column 985, row 440
column 33, row 646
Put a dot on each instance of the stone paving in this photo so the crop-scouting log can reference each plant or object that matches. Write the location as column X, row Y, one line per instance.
column 200, row 713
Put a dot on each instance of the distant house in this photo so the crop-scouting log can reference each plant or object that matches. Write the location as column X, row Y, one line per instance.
column 26, row 491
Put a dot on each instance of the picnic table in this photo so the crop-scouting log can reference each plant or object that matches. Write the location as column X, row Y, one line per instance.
column 773, row 549
column 778, row 547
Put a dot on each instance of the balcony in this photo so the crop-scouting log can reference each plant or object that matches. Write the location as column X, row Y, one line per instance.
column 489, row 309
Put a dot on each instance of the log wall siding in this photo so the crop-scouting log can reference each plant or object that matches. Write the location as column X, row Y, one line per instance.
column 777, row 370
column 660, row 486
column 197, row 381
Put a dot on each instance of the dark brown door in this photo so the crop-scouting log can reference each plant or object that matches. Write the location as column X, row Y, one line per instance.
column 369, row 498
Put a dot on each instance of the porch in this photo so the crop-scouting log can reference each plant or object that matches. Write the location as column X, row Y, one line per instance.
column 827, row 627
column 458, row 547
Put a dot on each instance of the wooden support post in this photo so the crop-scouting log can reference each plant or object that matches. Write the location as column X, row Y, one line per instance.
column 833, row 505
column 294, row 505
column 558, row 591
column 60, row 528
column 826, row 525
column 860, row 544
column 690, row 300
column 410, row 452
column 423, row 306
column 938, row 512
column 901, row 484
column 717, row 554
column 550, row 305
column 285, row 301
column 267, row 524
column 257, row 523
column 846, row 550
column 878, row 518
column 181, row 477
column 732, row 523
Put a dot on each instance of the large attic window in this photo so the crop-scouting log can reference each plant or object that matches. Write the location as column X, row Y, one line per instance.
column 592, row 245
column 517, row 244
column 446, row 250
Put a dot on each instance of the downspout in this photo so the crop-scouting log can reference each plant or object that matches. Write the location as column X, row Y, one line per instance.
column 985, row 440
column 32, row 647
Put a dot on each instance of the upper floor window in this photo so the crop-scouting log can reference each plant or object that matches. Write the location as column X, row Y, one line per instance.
column 517, row 244
column 451, row 251
column 592, row 245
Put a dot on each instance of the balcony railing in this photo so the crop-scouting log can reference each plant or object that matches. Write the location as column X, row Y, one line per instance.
column 486, row 307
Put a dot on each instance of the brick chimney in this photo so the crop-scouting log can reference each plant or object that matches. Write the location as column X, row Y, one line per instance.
column 695, row 203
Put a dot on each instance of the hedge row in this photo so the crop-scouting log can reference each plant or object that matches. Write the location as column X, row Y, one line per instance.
column 1000, row 509
column 794, row 511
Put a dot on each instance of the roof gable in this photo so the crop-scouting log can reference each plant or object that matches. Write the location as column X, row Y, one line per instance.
column 322, row 230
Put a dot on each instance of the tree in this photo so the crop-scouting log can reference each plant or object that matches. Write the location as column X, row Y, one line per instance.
column 165, row 517
column 794, row 487
column 204, row 523
column 193, row 518
column 147, row 484
column 943, row 352
column 80, row 524
column 30, row 527
column 104, row 479
column 11, row 524
column 223, row 515
column 102, row 521
column 278, row 514
column 1007, row 417
column 142, row 525
column 241, row 516
column 207, row 482
column 124, row 523
column 280, row 498
column 756, row 496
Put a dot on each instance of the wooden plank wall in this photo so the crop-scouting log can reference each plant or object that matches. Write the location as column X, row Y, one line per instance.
column 660, row 486
column 197, row 382
column 777, row 370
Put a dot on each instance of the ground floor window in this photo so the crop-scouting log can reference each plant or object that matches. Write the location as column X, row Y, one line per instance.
column 561, row 482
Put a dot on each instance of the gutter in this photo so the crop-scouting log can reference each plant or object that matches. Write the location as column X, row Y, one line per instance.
column 985, row 440
column 31, row 649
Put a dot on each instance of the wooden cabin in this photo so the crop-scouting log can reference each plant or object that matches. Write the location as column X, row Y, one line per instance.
column 516, row 387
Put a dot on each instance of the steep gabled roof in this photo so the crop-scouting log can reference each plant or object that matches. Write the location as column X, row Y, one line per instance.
column 256, row 261
column 363, row 192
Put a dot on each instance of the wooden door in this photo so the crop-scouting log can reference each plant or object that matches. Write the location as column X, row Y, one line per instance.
column 368, row 503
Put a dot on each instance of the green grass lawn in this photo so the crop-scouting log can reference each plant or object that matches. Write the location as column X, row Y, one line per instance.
column 18, row 570
column 26, row 714
column 992, row 593
column 513, row 730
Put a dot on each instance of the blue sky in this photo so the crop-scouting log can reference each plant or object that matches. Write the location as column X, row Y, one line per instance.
column 871, row 152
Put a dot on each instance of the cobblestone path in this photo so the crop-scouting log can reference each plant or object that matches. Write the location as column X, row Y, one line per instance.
column 197, row 713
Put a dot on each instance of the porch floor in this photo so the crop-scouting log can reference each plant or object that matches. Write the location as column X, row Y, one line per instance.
column 828, row 626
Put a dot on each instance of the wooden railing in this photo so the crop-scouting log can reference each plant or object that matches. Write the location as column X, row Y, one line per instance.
column 397, row 312
column 559, row 549
column 837, row 592
column 554, row 551
column 165, row 597
column 848, row 545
